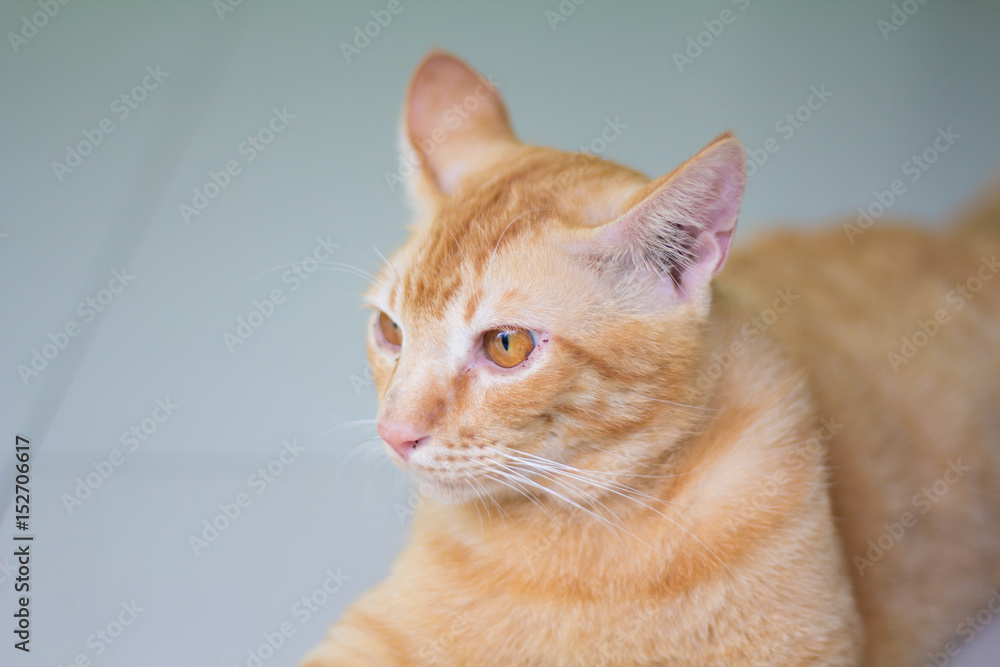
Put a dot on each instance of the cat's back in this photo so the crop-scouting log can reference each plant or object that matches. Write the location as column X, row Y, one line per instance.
column 899, row 331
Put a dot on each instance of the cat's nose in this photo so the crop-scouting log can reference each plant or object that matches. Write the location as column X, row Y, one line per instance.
column 401, row 437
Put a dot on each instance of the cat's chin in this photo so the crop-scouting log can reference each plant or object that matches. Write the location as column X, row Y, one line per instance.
column 457, row 491
column 462, row 491
column 448, row 492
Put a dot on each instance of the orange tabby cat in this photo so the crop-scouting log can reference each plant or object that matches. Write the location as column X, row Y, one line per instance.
column 631, row 460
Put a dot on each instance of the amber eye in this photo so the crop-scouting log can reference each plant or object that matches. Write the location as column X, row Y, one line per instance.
column 390, row 329
column 508, row 347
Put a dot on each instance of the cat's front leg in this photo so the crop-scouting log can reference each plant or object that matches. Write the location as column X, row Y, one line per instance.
column 365, row 635
column 348, row 647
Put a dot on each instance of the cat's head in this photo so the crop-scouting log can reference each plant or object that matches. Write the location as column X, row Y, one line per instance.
column 547, row 310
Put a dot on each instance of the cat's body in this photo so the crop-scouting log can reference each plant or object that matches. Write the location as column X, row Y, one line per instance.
column 915, row 468
column 703, row 463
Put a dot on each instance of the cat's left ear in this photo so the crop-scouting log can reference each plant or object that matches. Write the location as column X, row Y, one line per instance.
column 680, row 225
column 454, row 119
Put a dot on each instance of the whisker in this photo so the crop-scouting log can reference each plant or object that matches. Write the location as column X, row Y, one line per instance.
column 550, row 475
column 330, row 431
column 611, row 489
column 366, row 444
column 271, row 270
column 347, row 268
column 475, row 493
column 612, row 486
column 529, row 496
column 680, row 405
column 605, row 484
column 512, row 485
column 485, row 500
column 458, row 245
column 489, row 265
column 597, row 472
column 500, row 480
column 387, row 263
column 569, row 501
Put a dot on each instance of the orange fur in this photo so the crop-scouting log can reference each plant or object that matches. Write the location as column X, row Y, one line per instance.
column 723, row 449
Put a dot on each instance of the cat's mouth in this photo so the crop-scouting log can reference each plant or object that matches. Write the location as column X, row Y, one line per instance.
column 483, row 472
column 450, row 474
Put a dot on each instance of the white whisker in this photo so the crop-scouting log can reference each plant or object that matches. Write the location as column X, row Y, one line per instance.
column 616, row 488
column 489, row 265
column 603, row 520
column 527, row 495
column 369, row 444
column 347, row 268
column 680, row 405
column 387, row 263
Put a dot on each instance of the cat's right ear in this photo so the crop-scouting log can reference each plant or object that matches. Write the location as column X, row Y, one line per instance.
column 678, row 228
column 454, row 120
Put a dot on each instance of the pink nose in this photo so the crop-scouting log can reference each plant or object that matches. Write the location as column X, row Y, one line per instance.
column 401, row 437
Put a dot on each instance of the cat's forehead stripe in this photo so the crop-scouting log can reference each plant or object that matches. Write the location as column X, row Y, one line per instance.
column 461, row 251
column 472, row 303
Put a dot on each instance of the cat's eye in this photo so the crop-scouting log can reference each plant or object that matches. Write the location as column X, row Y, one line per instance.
column 508, row 347
column 390, row 330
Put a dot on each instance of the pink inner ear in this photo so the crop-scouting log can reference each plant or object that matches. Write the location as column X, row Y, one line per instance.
column 683, row 228
column 452, row 114
column 435, row 87
column 723, row 210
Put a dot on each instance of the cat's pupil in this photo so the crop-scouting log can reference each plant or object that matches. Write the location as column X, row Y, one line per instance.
column 505, row 339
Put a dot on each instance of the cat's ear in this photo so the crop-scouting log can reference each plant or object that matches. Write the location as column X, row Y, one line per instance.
column 680, row 225
column 454, row 119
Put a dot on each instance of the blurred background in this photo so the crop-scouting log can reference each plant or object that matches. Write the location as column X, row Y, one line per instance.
column 194, row 194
